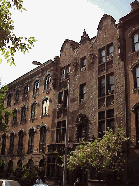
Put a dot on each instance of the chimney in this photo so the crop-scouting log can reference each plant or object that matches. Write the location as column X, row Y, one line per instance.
column 134, row 5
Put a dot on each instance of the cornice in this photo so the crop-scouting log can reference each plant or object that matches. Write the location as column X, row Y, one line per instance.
column 23, row 77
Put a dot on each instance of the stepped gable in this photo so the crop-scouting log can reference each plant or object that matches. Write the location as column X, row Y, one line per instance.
column 84, row 37
column 103, row 19
column 72, row 43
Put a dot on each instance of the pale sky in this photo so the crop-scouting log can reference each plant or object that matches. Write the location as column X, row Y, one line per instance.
column 53, row 21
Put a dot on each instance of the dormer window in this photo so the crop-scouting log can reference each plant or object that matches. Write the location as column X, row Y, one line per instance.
column 136, row 41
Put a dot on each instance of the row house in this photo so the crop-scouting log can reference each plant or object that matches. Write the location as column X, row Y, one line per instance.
column 92, row 85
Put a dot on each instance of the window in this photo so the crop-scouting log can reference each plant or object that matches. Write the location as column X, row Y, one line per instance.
column 110, row 79
column 36, row 87
column 17, row 95
column 26, row 90
column 6, row 118
column 137, row 126
column 11, row 142
column 14, row 115
column 60, row 97
column 105, row 120
column 51, row 167
column 23, row 114
column 19, row 163
column 137, row 78
column 80, row 132
column 3, row 144
column 20, row 142
column 110, row 50
column 45, row 106
column 102, row 56
column 42, row 146
column 136, row 41
column 9, row 100
column 47, row 82
column 33, row 110
column 68, row 71
column 63, row 72
column 83, row 62
column 31, row 141
column 82, row 92
column 60, row 131
column 102, row 86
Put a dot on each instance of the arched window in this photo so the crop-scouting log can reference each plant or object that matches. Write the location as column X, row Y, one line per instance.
column 3, row 144
column 6, row 118
column 36, row 87
column 136, row 76
column 19, row 163
column 26, row 90
column 30, row 163
column 17, row 95
column 47, row 82
column 42, row 145
column 14, row 115
column 31, row 141
column 33, row 110
column 11, row 142
column 136, row 41
column 9, row 100
column 10, row 167
column 23, row 114
column 45, row 106
column 137, row 125
column 20, row 141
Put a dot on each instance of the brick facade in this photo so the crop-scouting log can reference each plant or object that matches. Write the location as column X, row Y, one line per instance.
column 92, row 87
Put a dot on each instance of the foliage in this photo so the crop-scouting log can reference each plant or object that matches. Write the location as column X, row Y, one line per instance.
column 9, row 42
column 105, row 156
column 26, row 175
column 3, row 110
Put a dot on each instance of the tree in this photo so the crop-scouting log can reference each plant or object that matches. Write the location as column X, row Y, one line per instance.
column 3, row 110
column 9, row 42
column 103, row 157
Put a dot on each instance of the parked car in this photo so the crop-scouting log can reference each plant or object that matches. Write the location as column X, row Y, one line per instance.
column 9, row 183
column 40, row 184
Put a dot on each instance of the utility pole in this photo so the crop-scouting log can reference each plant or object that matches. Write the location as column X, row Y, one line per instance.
column 66, row 142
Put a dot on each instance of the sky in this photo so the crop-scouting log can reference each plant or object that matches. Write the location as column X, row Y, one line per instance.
column 53, row 21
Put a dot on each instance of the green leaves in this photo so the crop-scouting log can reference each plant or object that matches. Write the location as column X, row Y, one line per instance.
column 105, row 155
column 3, row 110
column 9, row 43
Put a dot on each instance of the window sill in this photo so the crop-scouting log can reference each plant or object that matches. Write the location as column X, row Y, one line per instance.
column 45, row 115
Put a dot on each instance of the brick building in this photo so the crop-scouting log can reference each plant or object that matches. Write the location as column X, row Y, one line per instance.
column 92, row 85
